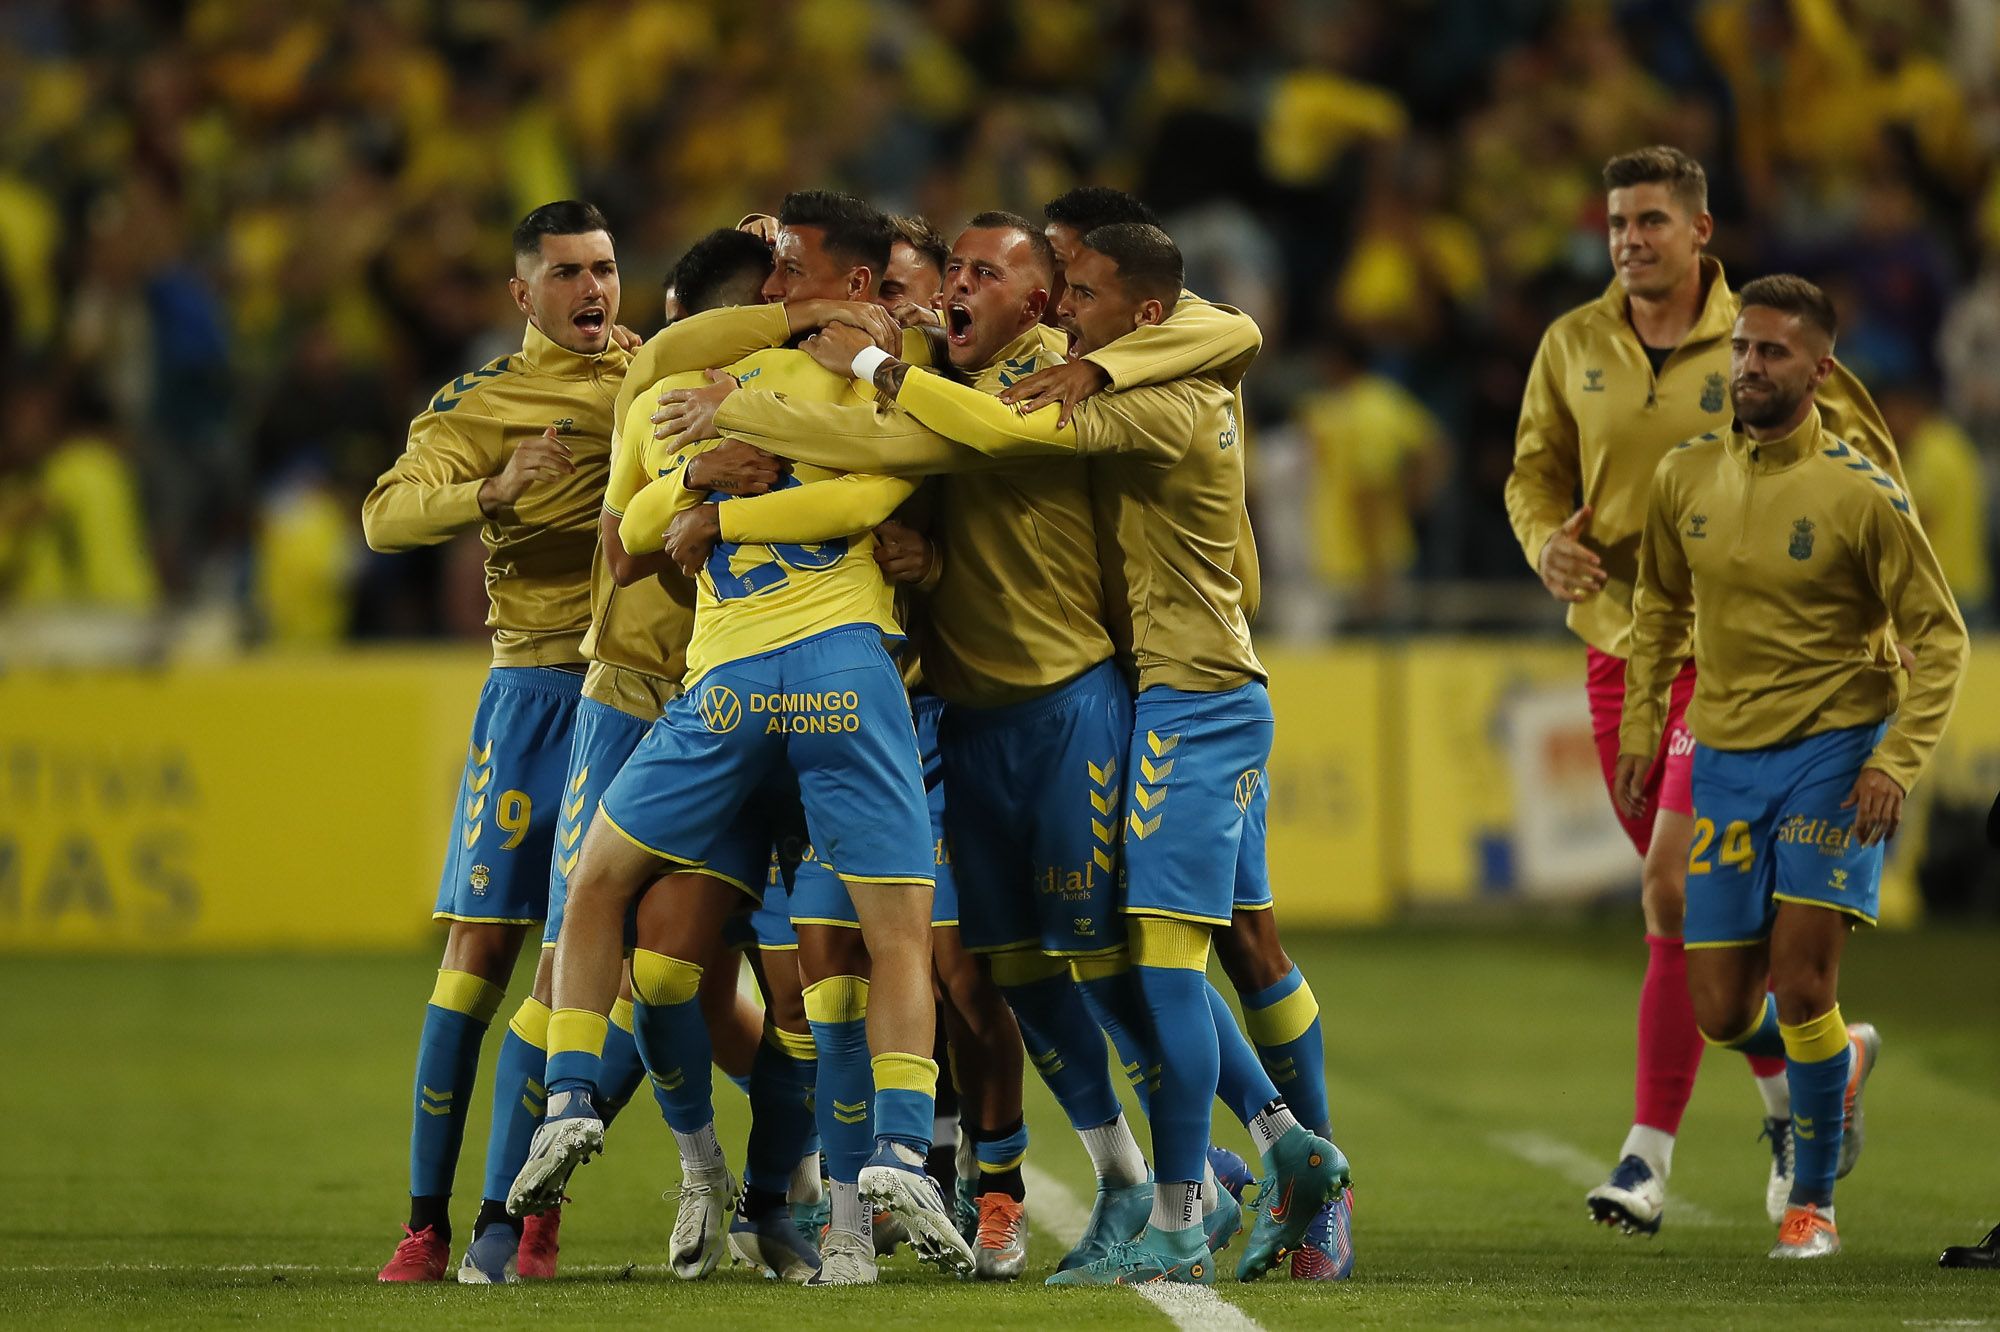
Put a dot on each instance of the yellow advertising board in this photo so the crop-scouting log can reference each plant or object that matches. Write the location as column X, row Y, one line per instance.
column 1328, row 853
column 269, row 803
column 302, row 803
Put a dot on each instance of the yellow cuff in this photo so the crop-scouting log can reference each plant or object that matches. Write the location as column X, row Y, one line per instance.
column 837, row 999
column 896, row 1071
column 663, row 981
column 1180, row 945
column 577, row 1029
column 1287, row 1020
column 1817, row 1040
column 531, row 1023
column 463, row 992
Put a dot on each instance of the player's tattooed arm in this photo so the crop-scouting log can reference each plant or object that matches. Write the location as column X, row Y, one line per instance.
column 734, row 468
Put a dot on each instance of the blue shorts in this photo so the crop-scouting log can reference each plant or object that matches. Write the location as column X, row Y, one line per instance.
column 604, row 738
column 817, row 896
column 928, row 709
column 496, row 866
column 1768, row 828
column 828, row 710
column 1032, row 824
column 1194, row 830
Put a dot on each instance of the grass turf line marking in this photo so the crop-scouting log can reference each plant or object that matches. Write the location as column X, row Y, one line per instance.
column 1584, row 1170
column 1192, row 1308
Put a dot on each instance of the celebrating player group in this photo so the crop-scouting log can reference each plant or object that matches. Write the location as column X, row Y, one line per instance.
column 881, row 628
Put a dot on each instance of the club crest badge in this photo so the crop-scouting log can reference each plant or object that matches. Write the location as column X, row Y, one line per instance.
column 1712, row 394
column 1802, row 540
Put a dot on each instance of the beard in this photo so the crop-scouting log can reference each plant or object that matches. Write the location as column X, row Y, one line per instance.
column 1773, row 407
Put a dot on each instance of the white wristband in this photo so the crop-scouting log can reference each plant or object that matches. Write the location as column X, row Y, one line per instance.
column 867, row 361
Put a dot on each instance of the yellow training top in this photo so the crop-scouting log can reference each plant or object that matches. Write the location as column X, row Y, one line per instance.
column 1199, row 337
column 638, row 638
column 1784, row 561
column 1178, row 505
column 538, row 553
column 1595, row 419
column 774, row 578
column 1018, row 607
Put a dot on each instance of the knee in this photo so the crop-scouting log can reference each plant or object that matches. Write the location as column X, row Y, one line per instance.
column 1804, row 991
column 1663, row 887
column 1724, row 1018
column 827, row 951
column 1250, row 953
column 483, row 950
column 966, row 986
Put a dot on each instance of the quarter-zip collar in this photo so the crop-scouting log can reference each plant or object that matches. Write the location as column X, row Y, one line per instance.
column 1762, row 458
column 544, row 355
column 1718, row 310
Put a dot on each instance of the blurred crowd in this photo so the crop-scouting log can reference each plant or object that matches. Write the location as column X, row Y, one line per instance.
column 241, row 242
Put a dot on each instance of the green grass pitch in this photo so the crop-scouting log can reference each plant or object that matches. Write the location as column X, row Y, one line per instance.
column 192, row 1142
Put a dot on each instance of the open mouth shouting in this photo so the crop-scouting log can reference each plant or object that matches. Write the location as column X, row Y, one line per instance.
column 958, row 324
column 590, row 322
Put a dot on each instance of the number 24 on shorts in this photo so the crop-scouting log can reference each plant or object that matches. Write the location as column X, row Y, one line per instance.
column 1738, row 852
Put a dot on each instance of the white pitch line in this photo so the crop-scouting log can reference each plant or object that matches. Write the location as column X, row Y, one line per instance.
column 1192, row 1308
column 1056, row 1208
column 1586, row 1171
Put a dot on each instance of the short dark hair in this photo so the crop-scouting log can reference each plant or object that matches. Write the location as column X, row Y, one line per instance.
column 713, row 262
column 917, row 233
column 1088, row 207
column 1793, row 295
column 857, row 232
column 996, row 219
column 1148, row 261
column 1661, row 165
column 564, row 217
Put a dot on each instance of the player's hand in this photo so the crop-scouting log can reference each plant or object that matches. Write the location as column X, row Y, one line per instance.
column 1907, row 657
column 880, row 326
column 1570, row 569
column 1877, row 802
column 1067, row 384
column 835, row 346
column 626, row 339
column 734, row 468
column 761, row 225
column 903, row 554
column 1628, row 785
column 909, row 314
column 690, row 413
column 543, row 458
column 691, row 537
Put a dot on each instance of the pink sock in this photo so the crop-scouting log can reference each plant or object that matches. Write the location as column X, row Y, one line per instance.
column 1670, row 1044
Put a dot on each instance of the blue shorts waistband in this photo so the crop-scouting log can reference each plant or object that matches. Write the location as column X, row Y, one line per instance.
column 537, row 679
column 1042, row 705
column 1158, row 694
column 874, row 631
